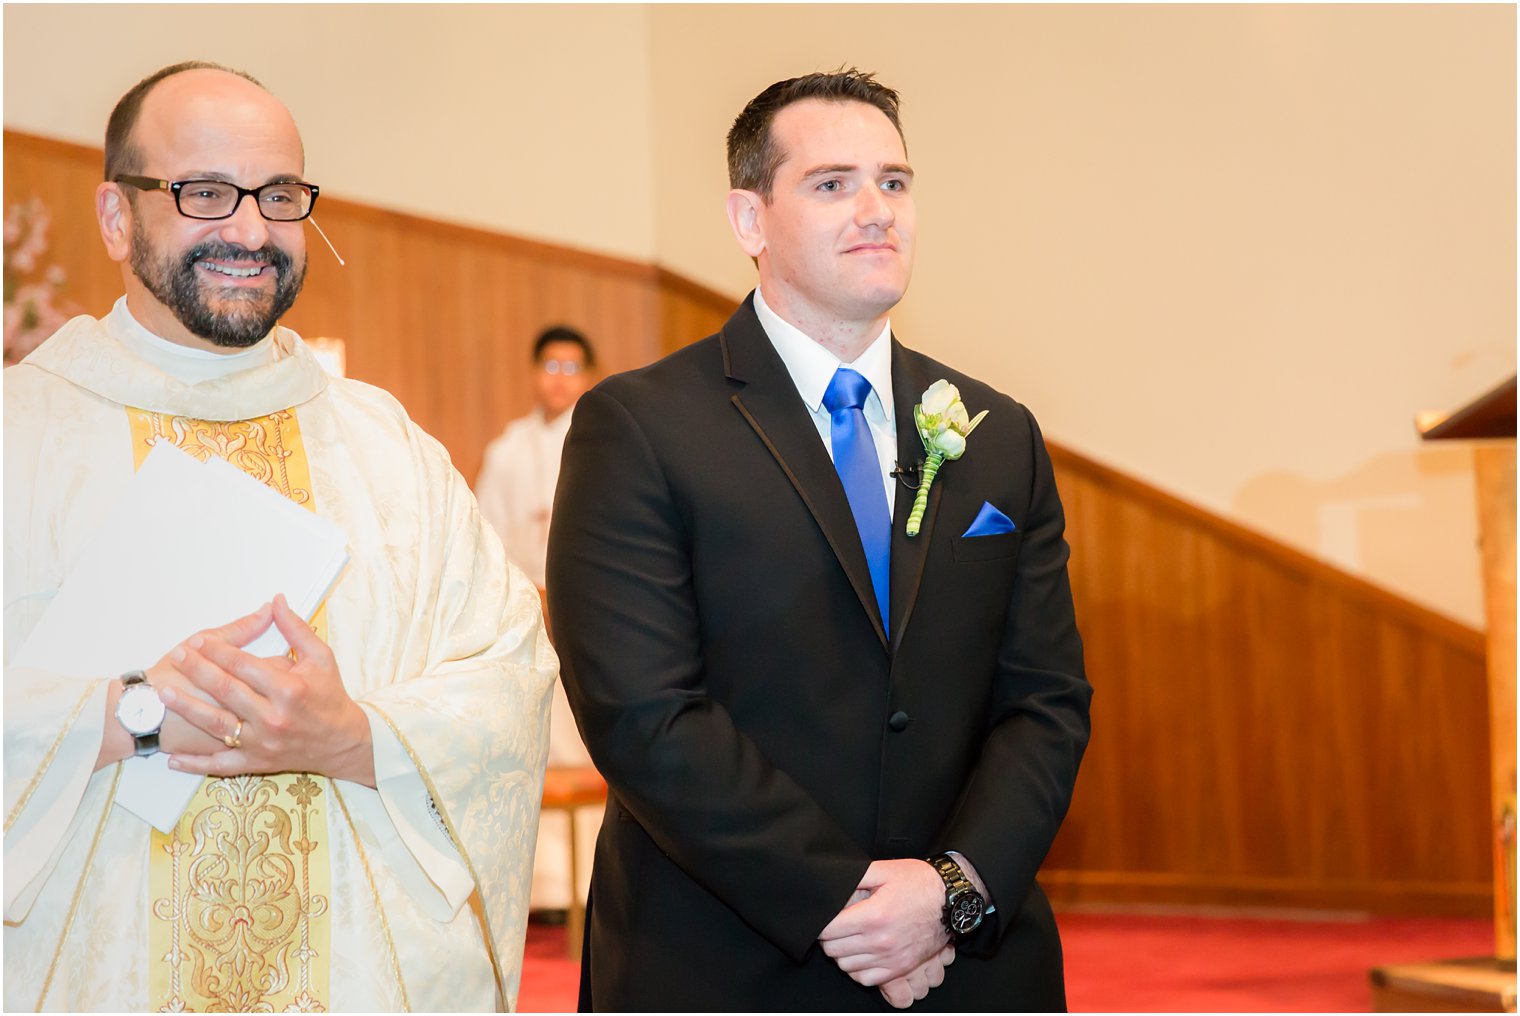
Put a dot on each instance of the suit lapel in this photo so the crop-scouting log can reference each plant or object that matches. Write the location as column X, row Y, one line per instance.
column 909, row 555
column 769, row 402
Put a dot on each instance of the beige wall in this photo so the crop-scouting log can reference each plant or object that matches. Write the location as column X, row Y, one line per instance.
column 1228, row 249
column 486, row 115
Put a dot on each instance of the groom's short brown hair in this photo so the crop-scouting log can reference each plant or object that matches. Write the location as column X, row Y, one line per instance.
column 752, row 154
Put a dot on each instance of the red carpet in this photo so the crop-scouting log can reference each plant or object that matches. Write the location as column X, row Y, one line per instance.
column 550, row 982
column 1172, row 963
column 1117, row 962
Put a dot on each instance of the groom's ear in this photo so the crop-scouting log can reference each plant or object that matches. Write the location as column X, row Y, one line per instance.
column 744, row 217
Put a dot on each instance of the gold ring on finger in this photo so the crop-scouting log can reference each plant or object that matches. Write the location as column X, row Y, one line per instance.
column 235, row 738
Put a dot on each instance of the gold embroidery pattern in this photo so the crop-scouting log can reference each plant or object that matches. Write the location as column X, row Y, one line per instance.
column 241, row 887
column 267, row 448
column 242, row 914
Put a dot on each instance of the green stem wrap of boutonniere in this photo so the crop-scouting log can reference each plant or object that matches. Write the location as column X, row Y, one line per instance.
column 943, row 426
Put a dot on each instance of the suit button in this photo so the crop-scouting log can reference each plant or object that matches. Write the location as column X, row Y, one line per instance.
column 899, row 722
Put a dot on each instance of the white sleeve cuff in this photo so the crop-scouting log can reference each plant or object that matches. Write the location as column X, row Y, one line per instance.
column 399, row 820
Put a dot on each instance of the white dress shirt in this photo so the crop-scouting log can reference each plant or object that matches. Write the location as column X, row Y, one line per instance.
column 812, row 367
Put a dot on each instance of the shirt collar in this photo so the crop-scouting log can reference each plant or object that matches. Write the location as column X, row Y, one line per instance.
column 812, row 367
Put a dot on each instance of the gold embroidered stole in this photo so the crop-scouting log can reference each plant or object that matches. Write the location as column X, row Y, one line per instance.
column 240, row 916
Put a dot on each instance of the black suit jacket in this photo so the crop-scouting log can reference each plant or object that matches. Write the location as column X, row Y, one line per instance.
column 724, row 657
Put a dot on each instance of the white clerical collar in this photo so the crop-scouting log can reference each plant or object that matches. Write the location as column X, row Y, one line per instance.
column 812, row 367
column 184, row 363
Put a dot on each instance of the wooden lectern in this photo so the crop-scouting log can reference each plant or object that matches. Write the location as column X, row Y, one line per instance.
column 1483, row 985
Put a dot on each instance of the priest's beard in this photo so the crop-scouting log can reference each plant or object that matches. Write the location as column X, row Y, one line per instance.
column 182, row 287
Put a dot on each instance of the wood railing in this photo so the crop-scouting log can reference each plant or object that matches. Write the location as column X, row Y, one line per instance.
column 1267, row 730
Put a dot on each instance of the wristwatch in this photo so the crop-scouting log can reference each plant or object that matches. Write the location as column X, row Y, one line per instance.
column 140, row 711
column 964, row 906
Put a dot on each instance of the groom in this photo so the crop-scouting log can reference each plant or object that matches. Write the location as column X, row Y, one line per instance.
column 837, row 754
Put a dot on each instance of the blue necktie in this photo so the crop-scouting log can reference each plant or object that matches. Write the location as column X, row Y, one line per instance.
column 860, row 470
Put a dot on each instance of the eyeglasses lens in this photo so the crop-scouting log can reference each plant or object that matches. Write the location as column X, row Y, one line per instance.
column 211, row 199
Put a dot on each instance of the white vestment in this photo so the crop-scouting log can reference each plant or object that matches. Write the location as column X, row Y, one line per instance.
column 516, row 487
column 436, row 637
column 516, row 492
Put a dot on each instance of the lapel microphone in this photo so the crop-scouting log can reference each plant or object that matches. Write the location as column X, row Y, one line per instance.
column 902, row 474
column 341, row 262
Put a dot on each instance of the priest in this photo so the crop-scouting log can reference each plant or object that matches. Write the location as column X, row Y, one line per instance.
column 364, row 833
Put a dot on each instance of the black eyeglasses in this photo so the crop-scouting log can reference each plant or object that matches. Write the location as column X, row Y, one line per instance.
column 218, row 199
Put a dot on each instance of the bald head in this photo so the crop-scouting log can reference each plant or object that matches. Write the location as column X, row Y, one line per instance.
column 170, row 92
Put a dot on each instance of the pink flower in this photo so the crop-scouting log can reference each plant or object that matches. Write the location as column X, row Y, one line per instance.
column 30, row 313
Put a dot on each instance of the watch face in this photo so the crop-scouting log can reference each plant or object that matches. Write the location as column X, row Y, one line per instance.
column 966, row 913
column 140, row 710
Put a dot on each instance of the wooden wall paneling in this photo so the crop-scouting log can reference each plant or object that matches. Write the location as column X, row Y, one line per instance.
column 688, row 311
column 512, row 396
column 369, row 312
column 1496, row 511
column 474, row 389
column 1266, row 730
column 504, row 345
column 437, row 357
column 506, row 329
column 415, row 311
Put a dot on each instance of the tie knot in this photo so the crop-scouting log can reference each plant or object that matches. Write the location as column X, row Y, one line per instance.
column 847, row 390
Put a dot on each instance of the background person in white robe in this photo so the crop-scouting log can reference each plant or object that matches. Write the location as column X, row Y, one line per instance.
column 516, row 492
column 521, row 466
column 413, row 735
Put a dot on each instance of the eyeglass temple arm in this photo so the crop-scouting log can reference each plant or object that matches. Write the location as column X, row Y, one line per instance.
column 141, row 182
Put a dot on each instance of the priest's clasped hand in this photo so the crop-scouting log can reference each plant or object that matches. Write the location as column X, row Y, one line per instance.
column 283, row 715
column 892, row 935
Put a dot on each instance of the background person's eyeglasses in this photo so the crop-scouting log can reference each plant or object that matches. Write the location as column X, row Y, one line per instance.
column 218, row 199
column 569, row 368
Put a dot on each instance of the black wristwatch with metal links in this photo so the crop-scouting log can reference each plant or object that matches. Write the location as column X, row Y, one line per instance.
column 964, row 906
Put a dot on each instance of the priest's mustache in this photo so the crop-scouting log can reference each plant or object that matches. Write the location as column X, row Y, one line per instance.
column 218, row 249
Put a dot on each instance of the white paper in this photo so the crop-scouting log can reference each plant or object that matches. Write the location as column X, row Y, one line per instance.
column 190, row 546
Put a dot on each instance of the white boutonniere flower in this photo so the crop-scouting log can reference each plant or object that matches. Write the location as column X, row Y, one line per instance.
column 943, row 426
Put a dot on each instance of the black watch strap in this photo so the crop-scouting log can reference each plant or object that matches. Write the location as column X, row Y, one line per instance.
column 142, row 744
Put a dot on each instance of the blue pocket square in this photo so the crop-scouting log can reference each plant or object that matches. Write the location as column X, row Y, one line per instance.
column 990, row 522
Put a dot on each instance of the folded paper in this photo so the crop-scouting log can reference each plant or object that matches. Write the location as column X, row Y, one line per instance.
column 189, row 546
